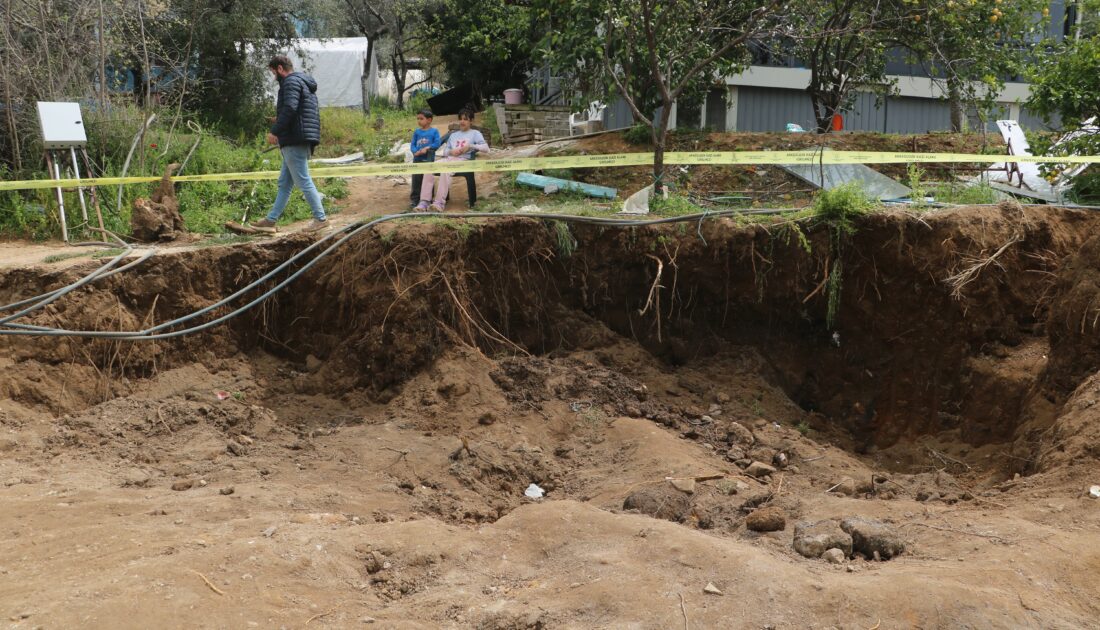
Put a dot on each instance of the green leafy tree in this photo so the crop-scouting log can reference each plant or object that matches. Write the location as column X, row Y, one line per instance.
column 844, row 43
column 1066, row 82
column 230, row 45
column 649, row 52
column 1065, row 85
column 410, row 45
column 487, row 43
column 969, row 47
column 972, row 46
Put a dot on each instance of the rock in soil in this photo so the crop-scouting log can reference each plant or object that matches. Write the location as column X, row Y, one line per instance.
column 711, row 589
column 374, row 562
column 737, row 434
column 182, row 484
column 687, row 486
column 235, row 448
column 767, row 519
column 871, row 537
column 833, row 556
column 760, row 469
column 780, row 460
column 813, row 539
column 660, row 501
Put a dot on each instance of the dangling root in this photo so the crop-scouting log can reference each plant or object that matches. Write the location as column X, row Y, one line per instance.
column 970, row 274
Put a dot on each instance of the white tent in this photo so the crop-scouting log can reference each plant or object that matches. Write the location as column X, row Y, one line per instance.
column 337, row 65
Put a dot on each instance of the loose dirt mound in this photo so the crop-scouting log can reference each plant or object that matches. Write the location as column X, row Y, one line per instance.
column 362, row 446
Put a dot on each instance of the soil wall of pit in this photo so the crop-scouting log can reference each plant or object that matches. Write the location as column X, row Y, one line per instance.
column 910, row 352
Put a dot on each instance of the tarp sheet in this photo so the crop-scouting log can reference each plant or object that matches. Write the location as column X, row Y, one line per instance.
column 336, row 64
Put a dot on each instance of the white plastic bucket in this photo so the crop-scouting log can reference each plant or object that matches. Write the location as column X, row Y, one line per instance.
column 513, row 96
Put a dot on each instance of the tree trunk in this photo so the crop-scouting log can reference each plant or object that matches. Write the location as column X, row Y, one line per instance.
column 822, row 111
column 9, row 110
column 368, row 65
column 399, row 70
column 399, row 85
column 102, row 60
column 958, row 111
column 660, row 139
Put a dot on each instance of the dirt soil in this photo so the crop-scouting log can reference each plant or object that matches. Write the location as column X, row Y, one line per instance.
column 356, row 452
column 770, row 184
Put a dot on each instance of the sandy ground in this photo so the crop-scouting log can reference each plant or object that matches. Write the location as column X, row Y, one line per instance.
column 310, row 510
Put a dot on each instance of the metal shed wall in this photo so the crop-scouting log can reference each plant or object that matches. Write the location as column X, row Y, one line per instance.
column 769, row 109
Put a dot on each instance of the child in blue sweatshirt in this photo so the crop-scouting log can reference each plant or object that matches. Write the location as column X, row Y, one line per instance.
column 425, row 142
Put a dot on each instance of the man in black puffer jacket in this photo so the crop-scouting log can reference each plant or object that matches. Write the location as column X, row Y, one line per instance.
column 297, row 130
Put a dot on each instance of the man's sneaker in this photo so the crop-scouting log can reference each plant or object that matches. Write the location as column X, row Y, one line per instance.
column 315, row 226
column 264, row 225
column 422, row 206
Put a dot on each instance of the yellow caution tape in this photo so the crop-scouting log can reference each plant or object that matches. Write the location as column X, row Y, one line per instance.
column 714, row 158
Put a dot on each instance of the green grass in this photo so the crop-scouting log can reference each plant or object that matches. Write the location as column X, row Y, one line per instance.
column 463, row 227
column 107, row 253
column 205, row 206
column 674, row 206
column 564, row 237
column 348, row 130
column 964, row 194
column 53, row 258
column 838, row 208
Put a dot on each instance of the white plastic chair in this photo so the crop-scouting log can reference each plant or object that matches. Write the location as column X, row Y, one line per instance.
column 594, row 113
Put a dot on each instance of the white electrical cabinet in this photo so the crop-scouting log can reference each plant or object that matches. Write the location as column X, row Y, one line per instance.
column 62, row 125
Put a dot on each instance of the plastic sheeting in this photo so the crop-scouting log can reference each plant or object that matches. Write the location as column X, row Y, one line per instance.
column 336, row 64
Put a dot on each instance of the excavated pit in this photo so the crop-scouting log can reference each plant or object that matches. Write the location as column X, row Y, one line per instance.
column 908, row 356
column 374, row 427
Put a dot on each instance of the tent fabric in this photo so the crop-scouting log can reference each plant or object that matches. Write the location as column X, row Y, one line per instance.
column 336, row 64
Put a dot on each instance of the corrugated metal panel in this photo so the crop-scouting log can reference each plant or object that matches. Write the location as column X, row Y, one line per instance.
column 916, row 115
column 715, row 109
column 1034, row 122
column 618, row 115
column 865, row 115
column 767, row 109
column 761, row 109
column 999, row 112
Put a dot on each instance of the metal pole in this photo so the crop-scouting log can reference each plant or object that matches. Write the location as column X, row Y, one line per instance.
column 55, row 172
column 79, row 189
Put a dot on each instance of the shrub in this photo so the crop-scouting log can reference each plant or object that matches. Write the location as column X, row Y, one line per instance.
column 839, row 207
column 639, row 134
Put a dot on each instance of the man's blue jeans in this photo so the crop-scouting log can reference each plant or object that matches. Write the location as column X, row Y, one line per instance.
column 296, row 173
